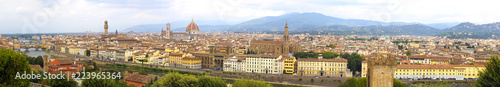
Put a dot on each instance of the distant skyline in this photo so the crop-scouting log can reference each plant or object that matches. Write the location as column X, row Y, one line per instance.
column 47, row 16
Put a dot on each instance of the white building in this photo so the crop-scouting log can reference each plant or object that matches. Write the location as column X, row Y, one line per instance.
column 102, row 54
column 234, row 64
column 120, row 55
column 83, row 51
column 267, row 64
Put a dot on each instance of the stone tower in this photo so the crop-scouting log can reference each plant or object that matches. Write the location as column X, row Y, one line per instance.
column 106, row 27
column 286, row 43
column 168, row 32
column 212, row 49
column 45, row 63
column 162, row 33
column 381, row 70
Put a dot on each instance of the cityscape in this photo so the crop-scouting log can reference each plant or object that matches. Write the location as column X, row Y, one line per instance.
column 168, row 43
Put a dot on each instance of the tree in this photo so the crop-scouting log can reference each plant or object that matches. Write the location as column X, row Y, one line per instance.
column 87, row 52
column 351, row 82
column 182, row 80
column 11, row 63
column 188, row 81
column 207, row 81
column 408, row 52
column 170, row 80
column 39, row 61
column 95, row 65
column 489, row 76
column 97, row 82
column 332, row 46
column 63, row 82
column 397, row 83
column 361, row 82
column 36, row 72
column 250, row 83
column 400, row 47
column 312, row 81
column 353, row 61
column 143, row 60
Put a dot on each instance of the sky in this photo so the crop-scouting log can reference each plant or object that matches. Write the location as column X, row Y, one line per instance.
column 60, row 16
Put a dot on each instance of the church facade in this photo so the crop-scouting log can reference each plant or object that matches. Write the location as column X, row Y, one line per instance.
column 192, row 32
column 275, row 47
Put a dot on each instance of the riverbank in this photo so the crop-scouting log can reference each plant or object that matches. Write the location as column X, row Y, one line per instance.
column 53, row 54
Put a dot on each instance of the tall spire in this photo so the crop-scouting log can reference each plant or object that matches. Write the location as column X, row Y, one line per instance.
column 286, row 38
column 192, row 19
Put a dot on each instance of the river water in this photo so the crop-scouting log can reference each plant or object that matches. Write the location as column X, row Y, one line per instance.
column 34, row 53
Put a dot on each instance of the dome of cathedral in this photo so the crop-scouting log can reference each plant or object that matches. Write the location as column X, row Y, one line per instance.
column 192, row 27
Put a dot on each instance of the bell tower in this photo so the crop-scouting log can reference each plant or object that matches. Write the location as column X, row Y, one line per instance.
column 168, row 32
column 45, row 63
column 286, row 43
column 106, row 27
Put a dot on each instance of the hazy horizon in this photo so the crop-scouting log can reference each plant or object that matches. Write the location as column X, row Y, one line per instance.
column 33, row 16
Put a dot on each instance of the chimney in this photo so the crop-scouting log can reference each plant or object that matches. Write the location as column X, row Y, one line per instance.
column 320, row 56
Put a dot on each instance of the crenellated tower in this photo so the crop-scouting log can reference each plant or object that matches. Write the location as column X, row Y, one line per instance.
column 381, row 70
column 106, row 27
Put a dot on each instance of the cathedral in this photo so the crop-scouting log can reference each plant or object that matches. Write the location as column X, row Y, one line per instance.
column 275, row 47
column 192, row 32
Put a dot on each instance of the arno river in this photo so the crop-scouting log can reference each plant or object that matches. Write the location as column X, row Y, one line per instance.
column 34, row 53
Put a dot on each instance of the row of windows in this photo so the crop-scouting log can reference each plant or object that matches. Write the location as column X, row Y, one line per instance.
column 331, row 65
column 329, row 69
column 420, row 70
column 426, row 74
column 328, row 73
column 436, row 74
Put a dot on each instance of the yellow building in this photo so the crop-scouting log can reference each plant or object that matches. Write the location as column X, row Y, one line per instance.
column 458, row 72
column 364, row 68
column 290, row 64
column 191, row 62
column 471, row 71
column 171, row 50
column 416, row 45
column 175, row 59
column 63, row 50
column 73, row 50
column 336, row 67
column 439, row 62
column 138, row 56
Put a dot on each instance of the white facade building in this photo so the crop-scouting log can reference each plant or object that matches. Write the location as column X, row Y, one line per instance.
column 267, row 64
column 235, row 64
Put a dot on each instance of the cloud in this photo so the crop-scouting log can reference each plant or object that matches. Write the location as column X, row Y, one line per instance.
column 47, row 16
